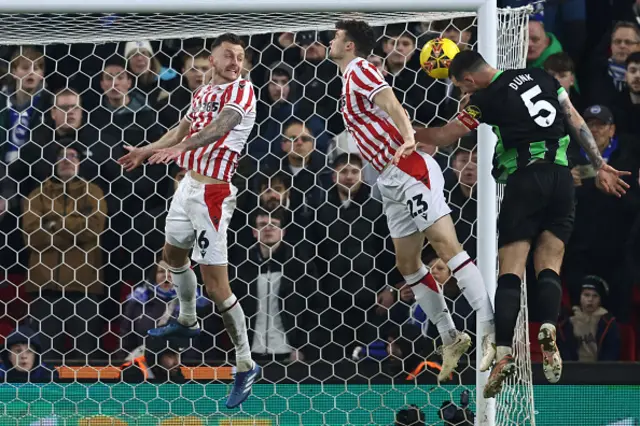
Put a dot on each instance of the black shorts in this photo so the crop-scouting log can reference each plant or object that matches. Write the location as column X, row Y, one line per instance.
column 537, row 198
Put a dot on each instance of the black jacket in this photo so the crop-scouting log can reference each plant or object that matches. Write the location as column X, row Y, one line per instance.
column 298, row 287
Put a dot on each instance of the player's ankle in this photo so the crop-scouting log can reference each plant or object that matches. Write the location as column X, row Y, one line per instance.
column 188, row 321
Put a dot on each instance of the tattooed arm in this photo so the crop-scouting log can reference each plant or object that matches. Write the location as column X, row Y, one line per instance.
column 608, row 179
column 581, row 133
column 223, row 124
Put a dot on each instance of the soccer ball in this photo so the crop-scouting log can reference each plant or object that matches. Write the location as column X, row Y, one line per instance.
column 436, row 57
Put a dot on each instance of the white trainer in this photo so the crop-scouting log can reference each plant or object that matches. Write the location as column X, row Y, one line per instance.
column 488, row 351
column 451, row 355
column 551, row 360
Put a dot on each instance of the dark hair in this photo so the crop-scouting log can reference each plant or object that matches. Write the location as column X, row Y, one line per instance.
column 346, row 158
column 633, row 58
column 275, row 214
column 466, row 61
column 625, row 24
column 268, row 181
column 559, row 62
column 227, row 38
column 468, row 144
column 360, row 33
column 115, row 60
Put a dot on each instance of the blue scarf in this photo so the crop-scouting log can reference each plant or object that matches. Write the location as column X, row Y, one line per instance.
column 19, row 121
column 606, row 154
column 617, row 73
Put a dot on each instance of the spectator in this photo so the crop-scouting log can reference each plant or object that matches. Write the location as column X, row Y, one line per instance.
column 350, row 235
column 277, row 107
column 599, row 243
column 22, row 103
column 462, row 198
column 21, row 361
column 155, row 362
column 542, row 44
column 561, row 66
column 627, row 105
column 605, row 79
column 65, row 126
column 152, row 80
column 62, row 222
column 124, row 119
column 591, row 334
column 275, row 285
column 307, row 169
column 150, row 305
column 459, row 30
column 321, row 87
column 196, row 70
column 345, row 144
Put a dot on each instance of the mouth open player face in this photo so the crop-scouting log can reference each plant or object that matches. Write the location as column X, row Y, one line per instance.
column 227, row 61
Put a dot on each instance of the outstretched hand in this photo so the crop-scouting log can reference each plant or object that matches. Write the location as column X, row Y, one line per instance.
column 404, row 151
column 609, row 181
column 133, row 158
column 167, row 155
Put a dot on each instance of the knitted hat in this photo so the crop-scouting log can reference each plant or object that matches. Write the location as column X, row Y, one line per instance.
column 597, row 284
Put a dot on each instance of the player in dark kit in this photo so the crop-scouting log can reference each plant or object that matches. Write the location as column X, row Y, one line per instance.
column 530, row 114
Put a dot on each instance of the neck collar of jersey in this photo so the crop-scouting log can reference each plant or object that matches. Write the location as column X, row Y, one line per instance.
column 497, row 74
column 352, row 64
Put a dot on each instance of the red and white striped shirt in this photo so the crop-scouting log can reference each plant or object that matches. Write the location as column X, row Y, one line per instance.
column 219, row 159
column 373, row 130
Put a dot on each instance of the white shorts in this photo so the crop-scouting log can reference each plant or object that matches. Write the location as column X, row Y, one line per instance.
column 412, row 194
column 201, row 213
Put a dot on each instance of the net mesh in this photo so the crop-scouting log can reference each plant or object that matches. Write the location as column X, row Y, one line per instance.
column 82, row 278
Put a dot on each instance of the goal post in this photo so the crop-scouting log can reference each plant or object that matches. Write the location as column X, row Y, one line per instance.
column 97, row 21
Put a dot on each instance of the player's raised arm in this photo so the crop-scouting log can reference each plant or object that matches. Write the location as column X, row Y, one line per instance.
column 442, row 136
column 608, row 179
column 137, row 155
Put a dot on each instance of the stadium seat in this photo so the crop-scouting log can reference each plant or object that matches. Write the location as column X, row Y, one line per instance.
column 628, row 338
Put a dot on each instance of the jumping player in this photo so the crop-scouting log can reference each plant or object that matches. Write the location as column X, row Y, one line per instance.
column 411, row 185
column 207, row 143
column 529, row 112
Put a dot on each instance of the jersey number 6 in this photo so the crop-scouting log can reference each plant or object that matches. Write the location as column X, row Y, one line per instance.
column 537, row 107
column 417, row 206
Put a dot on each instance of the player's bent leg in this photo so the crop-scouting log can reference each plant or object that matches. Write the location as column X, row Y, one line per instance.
column 185, row 282
column 429, row 296
column 547, row 262
column 442, row 236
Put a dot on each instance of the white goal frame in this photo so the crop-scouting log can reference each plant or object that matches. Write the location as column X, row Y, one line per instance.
column 487, row 24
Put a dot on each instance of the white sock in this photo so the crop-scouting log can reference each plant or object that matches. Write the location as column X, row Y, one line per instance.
column 472, row 286
column 236, row 326
column 502, row 351
column 429, row 296
column 185, row 282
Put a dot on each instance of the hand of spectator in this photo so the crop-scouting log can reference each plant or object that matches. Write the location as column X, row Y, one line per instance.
column 577, row 180
column 3, row 206
column 167, row 155
column 609, row 181
column 134, row 158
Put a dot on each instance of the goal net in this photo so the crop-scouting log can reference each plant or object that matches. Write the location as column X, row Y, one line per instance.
column 310, row 257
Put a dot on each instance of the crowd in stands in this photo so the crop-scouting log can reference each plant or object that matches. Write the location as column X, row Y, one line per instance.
column 310, row 255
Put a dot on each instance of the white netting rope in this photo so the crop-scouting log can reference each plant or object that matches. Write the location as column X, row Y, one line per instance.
column 126, row 206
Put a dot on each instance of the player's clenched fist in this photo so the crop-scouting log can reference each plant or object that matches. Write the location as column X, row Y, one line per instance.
column 404, row 151
column 133, row 158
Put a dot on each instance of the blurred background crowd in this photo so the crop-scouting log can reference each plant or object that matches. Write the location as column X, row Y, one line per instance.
column 310, row 255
